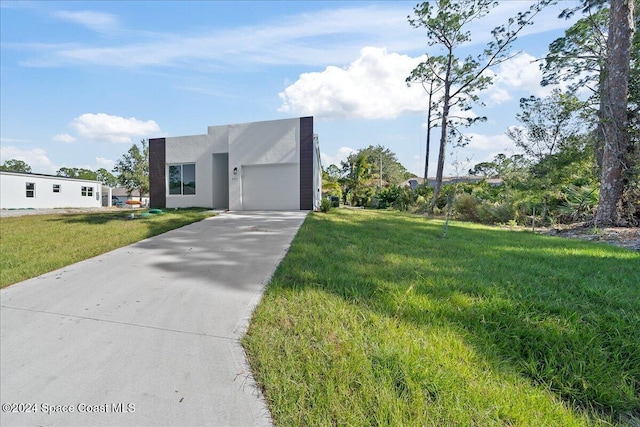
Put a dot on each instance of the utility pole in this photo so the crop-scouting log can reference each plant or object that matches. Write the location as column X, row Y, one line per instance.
column 380, row 170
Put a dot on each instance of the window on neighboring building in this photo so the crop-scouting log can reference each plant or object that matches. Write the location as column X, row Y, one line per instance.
column 31, row 189
column 56, row 188
column 182, row 179
column 87, row 191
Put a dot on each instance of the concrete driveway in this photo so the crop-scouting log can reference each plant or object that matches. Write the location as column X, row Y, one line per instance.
column 144, row 335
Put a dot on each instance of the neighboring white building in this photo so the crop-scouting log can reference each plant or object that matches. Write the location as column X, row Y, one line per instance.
column 271, row 165
column 36, row 191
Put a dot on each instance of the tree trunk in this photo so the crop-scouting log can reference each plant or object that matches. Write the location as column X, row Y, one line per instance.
column 446, row 100
column 443, row 145
column 426, row 156
column 599, row 142
column 615, row 120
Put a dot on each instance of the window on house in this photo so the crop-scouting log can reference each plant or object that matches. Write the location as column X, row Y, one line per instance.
column 87, row 191
column 56, row 188
column 31, row 189
column 182, row 179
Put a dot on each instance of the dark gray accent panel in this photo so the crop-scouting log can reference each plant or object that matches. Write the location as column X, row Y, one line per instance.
column 306, row 163
column 157, row 173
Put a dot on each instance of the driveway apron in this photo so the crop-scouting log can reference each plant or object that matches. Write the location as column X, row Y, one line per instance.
column 147, row 334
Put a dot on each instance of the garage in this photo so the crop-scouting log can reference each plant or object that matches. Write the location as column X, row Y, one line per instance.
column 271, row 187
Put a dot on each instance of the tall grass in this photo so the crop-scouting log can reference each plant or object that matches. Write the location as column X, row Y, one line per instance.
column 374, row 319
column 35, row 244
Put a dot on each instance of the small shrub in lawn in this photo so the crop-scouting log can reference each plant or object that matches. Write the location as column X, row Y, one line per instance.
column 495, row 213
column 466, row 206
column 579, row 202
column 325, row 205
column 400, row 198
column 406, row 199
column 443, row 197
column 388, row 196
column 425, row 191
column 422, row 205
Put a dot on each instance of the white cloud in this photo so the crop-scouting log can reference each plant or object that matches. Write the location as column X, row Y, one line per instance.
column 107, row 164
column 489, row 143
column 519, row 72
column 371, row 87
column 4, row 140
column 96, row 21
column 496, row 95
column 341, row 155
column 106, row 128
column 519, row 76
column 35, row 157
column 64, row 137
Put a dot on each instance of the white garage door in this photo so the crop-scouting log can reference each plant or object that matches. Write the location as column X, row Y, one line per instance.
column 271, row 187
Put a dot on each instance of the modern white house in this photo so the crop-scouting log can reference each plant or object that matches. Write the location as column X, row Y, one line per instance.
column 270, row 165
column 38, row 191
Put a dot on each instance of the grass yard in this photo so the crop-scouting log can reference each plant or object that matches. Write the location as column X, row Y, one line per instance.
column 35, row 244
column 374, row 319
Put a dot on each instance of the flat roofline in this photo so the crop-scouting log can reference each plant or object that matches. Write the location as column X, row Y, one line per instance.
column 66, row 178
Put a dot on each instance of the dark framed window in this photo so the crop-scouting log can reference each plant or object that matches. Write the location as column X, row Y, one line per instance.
column 87, row 191
column 56, row 188
column 31, row 189
column 182, row 179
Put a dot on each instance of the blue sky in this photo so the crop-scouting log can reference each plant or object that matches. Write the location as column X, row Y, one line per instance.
column 81, row 81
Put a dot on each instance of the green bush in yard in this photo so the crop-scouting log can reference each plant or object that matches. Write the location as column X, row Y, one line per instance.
column 325, row 205
column 400, row 198
column 495, row 213
column 466, row 207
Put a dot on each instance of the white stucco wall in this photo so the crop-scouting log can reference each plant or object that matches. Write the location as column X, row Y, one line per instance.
column 220, row 198
column 267, row 144
column 198, row 149
column 13, row 192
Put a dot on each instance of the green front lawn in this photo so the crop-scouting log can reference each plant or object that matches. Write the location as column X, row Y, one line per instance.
column 32, row 245
column 374, row 319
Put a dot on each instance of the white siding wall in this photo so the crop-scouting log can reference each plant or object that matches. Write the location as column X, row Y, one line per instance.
column 13, row 192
